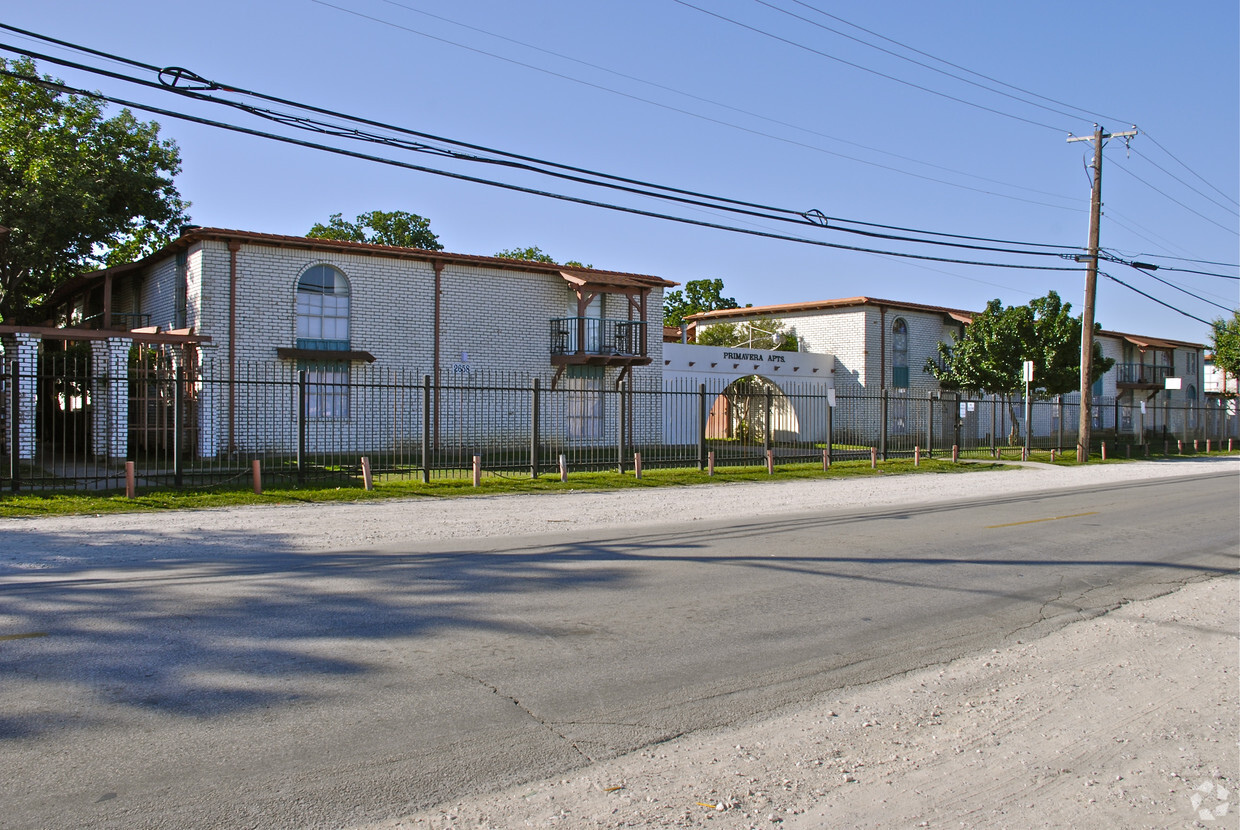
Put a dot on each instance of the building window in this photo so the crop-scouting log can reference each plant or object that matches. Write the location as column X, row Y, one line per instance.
column 584, row 401
column 1192, row 364
column 1190, row 400
column 327, row 389
column 180, row 314
column 899, row 353
column 323, row 323
column 322, row 309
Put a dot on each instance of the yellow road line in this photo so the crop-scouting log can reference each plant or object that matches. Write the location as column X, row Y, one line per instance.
column 1049, row 519
column 4, row 637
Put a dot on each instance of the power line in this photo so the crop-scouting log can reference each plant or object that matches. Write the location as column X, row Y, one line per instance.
column 1208, row 183
column 1178, row 202
column 913, row 61
column 858, row 66
column 1155, row 299
column 727, row 106
column 64, row 88
column 1147, row 273
column 815, row 218
column 701, row 117
column 1209, row 199
column 1088, row 113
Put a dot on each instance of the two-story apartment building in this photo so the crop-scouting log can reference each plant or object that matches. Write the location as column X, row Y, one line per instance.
column 255, row 306
column 882, row 346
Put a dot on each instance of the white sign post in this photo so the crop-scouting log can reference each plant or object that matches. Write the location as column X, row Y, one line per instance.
column 1028, row 407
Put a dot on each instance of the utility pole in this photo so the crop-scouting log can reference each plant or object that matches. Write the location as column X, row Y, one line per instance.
column 1091, row 288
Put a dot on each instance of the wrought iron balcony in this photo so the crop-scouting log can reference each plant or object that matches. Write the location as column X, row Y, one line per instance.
column 121, row 321
column 598, row 340
column 1141, row 374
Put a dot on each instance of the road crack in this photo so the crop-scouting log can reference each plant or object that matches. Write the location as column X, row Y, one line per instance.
column 495, row 690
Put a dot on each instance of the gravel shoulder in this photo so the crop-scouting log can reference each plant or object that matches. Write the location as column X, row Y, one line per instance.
column 1131, row 719
column 82, row 541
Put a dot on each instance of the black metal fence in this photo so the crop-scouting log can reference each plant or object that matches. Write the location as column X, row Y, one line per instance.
column 71, row 427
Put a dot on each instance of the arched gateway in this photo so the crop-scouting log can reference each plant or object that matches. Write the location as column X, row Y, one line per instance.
column 801, row 384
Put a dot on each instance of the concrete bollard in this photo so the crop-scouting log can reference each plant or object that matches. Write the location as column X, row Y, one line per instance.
column 873, row 457
column 1052, row 456
column 477, row 471
column 955, row 453
column 368, row 481
column 131, row 481
column 710, row 463
column 256, row 472
column 563, row 468
column 916, row 456
column 826, row 460
column 770, row 462
column 1104, row 450
column 637, row 465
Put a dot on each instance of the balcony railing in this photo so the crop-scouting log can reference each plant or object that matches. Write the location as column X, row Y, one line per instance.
column 121, row 321
column 600, row 337
column 1141, row 374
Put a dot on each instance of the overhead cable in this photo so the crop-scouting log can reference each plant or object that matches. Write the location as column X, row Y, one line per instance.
column 858, row 66
column 1155, row 299
column 1097, row 117
column 191, row 85
column 64, row 88
column 741, row 111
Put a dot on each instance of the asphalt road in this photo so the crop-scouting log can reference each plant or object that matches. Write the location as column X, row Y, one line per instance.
column 293, row 689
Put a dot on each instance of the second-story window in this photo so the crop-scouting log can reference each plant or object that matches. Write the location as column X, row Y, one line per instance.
column 323, row 323
column 322, row 308
column 899, row 353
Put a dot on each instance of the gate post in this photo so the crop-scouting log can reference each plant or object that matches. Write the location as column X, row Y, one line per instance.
column 14, row 436
column 426, row 429
column 110, row 392
column 929, row 425
column 535, row 441
column 702, row 426
column 957, row 419
column 301, row 425
column 882, row 432
column 830, row 427
column 178, row 424
column 620, row 427
column 1059, row 420
column 766, row 433
column 23, row 349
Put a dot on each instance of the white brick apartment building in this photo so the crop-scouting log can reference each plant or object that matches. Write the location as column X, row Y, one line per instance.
column 883, row 345
column 338, row 310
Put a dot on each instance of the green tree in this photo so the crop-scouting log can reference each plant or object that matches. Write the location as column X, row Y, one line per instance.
column 536, row 254
column 768, row 334
column 378, row 227
column 77, row 190
column 1225, row 335
column 989, row 356
column 698, row 296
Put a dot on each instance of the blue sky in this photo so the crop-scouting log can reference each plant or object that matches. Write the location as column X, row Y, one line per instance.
column 763, row 106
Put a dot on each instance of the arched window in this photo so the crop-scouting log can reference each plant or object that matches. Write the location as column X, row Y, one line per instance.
column 899, row 353
column 323, row 323
column 322, row 309
column 1190, row 400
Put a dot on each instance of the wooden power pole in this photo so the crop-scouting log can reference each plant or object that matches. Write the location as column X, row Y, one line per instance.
column 1091, row 288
